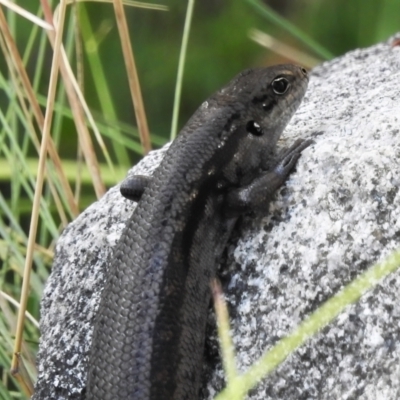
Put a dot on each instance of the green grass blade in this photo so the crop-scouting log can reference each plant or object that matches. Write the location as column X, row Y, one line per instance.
column 101, row 83
column 276, row 19
column 181, row 67
column 326, row 313
column 126, row 129
column 70, row 168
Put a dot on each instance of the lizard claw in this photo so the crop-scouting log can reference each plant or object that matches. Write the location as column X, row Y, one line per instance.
column 290, row 156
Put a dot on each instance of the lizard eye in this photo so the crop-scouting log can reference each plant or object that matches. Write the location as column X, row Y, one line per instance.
column 254, row 128
column 280, row 85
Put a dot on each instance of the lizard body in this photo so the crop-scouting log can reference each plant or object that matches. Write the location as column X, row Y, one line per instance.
column 148, row 336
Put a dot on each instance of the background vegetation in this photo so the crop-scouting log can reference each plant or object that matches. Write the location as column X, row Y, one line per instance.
column 221, row 43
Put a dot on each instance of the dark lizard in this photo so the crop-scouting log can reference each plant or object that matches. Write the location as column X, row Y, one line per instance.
column 149, row 332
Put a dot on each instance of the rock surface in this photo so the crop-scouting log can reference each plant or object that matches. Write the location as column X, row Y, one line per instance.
column 337, row 215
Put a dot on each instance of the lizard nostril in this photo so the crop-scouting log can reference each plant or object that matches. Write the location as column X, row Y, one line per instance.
column 304, row 71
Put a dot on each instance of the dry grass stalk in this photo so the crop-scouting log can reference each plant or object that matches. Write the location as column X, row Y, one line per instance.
column 19, row 89
column 222, row 315
column 283, row 49
column 26, row 14
column 17, row 368
column 137, row 4
column 21, row 73
column 132, row 76
column 17, row 305
column 76, row 103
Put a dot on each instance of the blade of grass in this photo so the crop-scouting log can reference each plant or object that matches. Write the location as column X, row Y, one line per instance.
column 14, row 254
column 101, row 85
column 133, row 78
column 138, row 4
column 78, row 105
column 283, row 49
column 273, row 17
column 17, row 305
column 16, row 156
column 28, row 90
column 103, row 126
column 81, row 106
column 70, row 168
column 5, row 351
column 44, row 234
column 80, row 76
column 181, row 67
column 221, row 311
column 23, row 376
column 326, row 313
column 35, row 35
column 26, row 120
column 36, row 202
column 26, row 14
column 10, row 319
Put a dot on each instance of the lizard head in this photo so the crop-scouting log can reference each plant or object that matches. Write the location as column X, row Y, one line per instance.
column 273, row 100
column 270, row 96
column 264, row 100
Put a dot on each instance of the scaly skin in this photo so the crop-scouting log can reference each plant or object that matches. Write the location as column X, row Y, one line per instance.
column 149, row 332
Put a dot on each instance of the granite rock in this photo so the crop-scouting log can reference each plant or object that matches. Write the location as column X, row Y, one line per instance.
column 337, row 215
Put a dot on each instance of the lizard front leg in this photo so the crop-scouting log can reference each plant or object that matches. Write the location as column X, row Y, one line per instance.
column 256, row 196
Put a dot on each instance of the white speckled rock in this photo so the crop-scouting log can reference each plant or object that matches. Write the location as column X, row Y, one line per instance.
column 336, row 216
